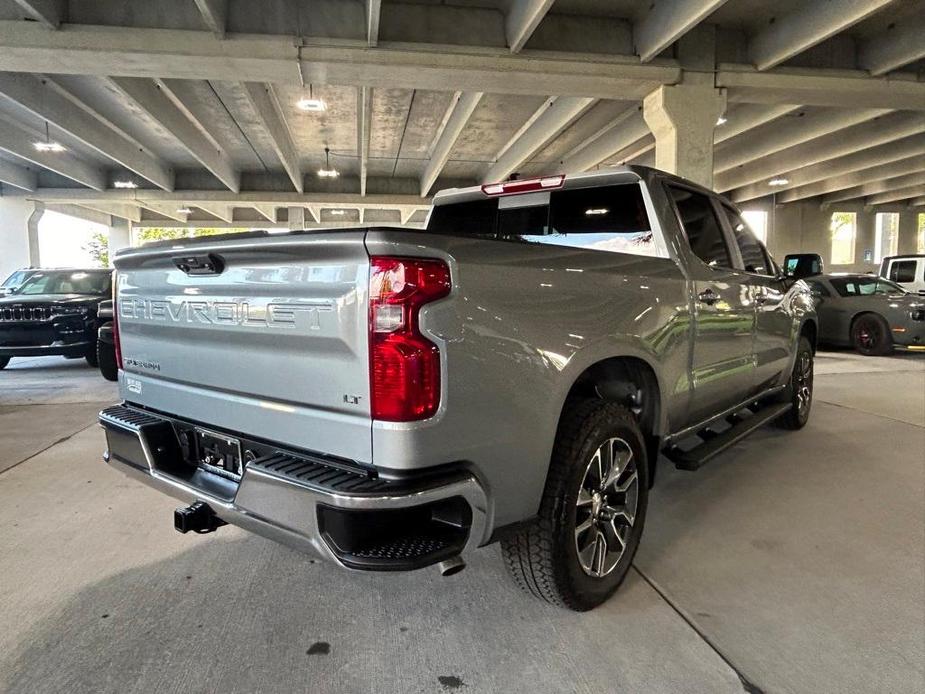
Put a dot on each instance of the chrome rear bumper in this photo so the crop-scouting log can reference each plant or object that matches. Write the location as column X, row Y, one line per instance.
column 289, row 501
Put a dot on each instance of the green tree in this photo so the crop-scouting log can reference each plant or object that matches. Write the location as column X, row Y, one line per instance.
column 98, row 248
column 149, row 234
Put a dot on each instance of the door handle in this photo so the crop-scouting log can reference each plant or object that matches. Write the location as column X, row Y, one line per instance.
column 708, row 297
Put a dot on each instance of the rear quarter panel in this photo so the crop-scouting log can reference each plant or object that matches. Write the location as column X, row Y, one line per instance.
column 522, row 323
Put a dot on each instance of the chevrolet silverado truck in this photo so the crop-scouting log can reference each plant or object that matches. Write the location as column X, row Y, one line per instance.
column 394, row 398
column 53, row 312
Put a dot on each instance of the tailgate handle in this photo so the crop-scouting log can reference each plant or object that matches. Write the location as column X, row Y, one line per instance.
column 209, row 264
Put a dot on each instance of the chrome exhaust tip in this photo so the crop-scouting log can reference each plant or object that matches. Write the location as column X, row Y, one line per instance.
column 451, row 566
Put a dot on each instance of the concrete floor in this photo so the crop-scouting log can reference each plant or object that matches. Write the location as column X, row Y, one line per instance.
column 793, row 563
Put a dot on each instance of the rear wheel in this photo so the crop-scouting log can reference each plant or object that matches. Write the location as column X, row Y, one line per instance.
column 4, row 361
column 106, row 357
column 870, row 335
column 799, row 391
column 580, row 548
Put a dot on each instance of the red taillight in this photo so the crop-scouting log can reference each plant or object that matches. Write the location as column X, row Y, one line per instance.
column 404, row 374
column 117, row 344
column 523, row 186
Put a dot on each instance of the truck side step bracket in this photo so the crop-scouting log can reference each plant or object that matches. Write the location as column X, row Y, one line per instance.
column 715, row 442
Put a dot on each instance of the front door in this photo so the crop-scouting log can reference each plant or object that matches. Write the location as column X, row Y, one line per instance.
column 722, row 358
column 774, row 323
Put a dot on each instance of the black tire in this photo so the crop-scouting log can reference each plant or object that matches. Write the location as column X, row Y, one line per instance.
column 543, row 557
column 106, row 358
column 4, row 361
column 799, row 390
column 90, row 356
column 870, row 335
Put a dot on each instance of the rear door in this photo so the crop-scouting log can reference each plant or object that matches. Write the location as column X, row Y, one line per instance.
column 274, row 345
column 722, row 357
column 773, row 323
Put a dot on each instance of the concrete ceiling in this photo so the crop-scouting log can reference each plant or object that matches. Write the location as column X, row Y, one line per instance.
column 195, row 101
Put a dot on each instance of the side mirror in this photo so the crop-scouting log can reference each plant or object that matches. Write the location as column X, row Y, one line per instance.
column 800, row 265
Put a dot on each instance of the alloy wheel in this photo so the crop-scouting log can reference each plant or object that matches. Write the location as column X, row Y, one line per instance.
column 606, row 507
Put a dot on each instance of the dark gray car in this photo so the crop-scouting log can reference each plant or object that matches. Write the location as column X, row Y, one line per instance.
column 870, row 313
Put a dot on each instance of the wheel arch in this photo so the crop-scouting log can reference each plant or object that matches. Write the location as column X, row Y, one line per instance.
column 630, row 381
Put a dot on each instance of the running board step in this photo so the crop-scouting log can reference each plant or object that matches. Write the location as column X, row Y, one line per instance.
column 714, row 443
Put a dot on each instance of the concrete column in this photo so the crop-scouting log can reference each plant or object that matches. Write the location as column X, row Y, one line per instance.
column 120, row 236
column 908, row 228
column 19, row 240
column 864, row 241
column 682, row 118
column 296, row 218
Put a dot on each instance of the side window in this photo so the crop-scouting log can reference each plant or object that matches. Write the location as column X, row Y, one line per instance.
column 703, row 230
column 754, row 258
column 903, row 271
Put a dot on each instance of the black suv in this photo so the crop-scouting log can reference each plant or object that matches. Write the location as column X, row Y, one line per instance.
column 54, row 312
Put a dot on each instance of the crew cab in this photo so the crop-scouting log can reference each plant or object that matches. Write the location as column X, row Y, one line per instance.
column 53, row 312
column 392, row 398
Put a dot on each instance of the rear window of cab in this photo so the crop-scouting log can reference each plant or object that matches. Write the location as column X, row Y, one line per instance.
column 602, row 218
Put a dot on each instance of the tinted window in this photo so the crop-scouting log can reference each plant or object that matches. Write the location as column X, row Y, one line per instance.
column 864, row 286
column 754, row 257
column 903, row 271
column 704, row 233
column 607, row 218
column 67, row 283
column 16, row 278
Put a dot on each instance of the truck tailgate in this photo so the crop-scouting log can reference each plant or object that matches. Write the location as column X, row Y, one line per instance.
column 273, row 346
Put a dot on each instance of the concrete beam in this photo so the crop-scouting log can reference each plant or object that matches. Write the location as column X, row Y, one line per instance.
column 223, row 212
column 910, row 165
column 458, row 114
column 788, row 133
column 801, row 29
column 812, row 87
column 893, row 126
column 49, row 13
column 79, row 212
column 624, row 132
column 668, row 20
column 18, row 141
column 364, row 125
column 268, row 211
column 899, row 45
column 49, row 101
column 124, row 210
column 909, row 193
column 522, row 20
column 166, row 210
column 18, row 176
column 214, row 15
column 917, row 202
column 877, row 187
column 158, row 101
column 744, row 117
column 806, row 176
column 266, row 105
column 373, row 10
column 557, row 114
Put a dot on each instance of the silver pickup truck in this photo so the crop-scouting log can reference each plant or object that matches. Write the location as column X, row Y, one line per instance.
column 391, row 398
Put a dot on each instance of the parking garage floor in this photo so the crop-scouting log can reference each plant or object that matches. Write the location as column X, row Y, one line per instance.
column 793, row 563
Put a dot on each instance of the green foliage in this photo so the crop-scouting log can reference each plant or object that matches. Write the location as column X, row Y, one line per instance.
column 149, row 234
column 98, row 248
column 840, row 220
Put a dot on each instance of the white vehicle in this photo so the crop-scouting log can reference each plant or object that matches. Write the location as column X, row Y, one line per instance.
column 908, row 271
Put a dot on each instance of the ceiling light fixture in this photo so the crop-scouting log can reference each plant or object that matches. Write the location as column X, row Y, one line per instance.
column 184, row 210
column 779, row 181
column 338, row 213
column 721, row 120
column 48, row 145
column 124, row 184
column 327, row 171
column 310, row 103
